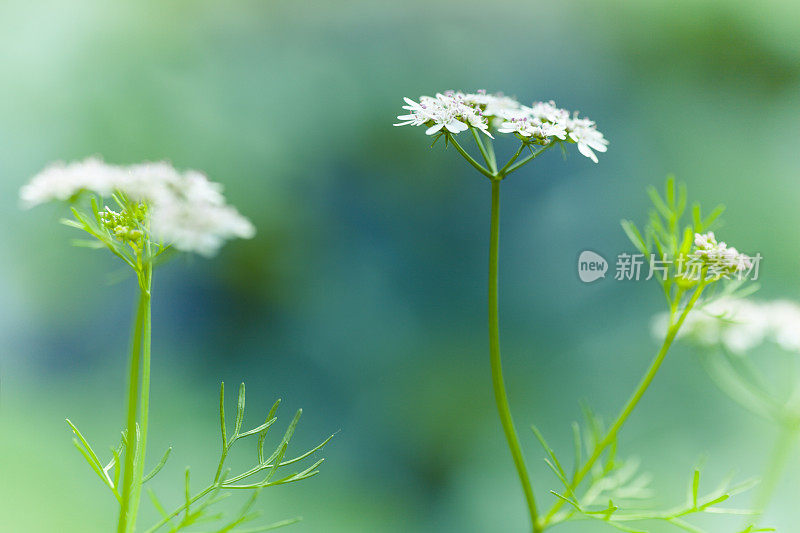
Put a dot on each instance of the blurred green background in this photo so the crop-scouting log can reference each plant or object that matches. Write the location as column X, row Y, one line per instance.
column 362, row 297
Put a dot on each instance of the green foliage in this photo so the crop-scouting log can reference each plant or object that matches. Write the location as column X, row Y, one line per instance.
column 197, row 506
column 125, row 232
column 667, row 239
column 616, row 493
column 601, row 487
column 667, row 236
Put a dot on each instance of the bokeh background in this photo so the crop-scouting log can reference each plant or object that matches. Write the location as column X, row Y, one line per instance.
column 362, row 297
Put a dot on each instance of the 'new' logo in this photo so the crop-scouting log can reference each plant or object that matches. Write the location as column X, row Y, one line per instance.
column 591, row 266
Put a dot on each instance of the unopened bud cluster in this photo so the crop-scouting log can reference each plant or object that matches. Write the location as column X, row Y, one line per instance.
column 125, row 225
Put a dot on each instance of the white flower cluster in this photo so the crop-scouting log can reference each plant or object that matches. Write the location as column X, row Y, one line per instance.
column 720, row 258
column 186, row 209
column 451, row 111
column 740, row 325
column 540, row 123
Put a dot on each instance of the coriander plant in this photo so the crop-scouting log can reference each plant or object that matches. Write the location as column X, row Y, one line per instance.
column 599, row 487
column 140, row 213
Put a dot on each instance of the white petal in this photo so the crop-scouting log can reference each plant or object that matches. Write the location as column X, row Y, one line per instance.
column 433, row 129
column 600, row 147
column 456, row 126
column 585, row 150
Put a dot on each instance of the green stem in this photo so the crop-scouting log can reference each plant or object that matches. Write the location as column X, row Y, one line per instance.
column 490, row 162
column 138, row 402
column 144, row 410
column 180, row 509
column 511, row 161
column 469, row 158
column 611, row 435
column 777, row 462
column 500, row 396
column 131, row 442
column 527, row 160
column 492, row 157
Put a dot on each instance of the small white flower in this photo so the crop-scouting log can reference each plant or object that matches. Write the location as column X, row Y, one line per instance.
column 556, row 130
column 198, row 227
column 496, row 107
column 447, row 111
column 60, row 181
column 548, row 112
column 418, row 116
column 455, row 112
column 521, row 125
column 718, row 255
column 589, row 139
column 185, row 209
column 784, row 319
column 739, row 325
column 189, row 211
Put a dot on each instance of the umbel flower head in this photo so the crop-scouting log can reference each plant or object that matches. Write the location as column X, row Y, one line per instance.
column 717, row 256
column 542, row 123
column 180, row 209
column 739, row 325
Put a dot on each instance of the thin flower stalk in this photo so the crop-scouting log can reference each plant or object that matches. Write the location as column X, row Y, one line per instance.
column 538, row 128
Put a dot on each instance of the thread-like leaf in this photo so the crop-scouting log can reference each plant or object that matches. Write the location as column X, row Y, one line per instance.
column 258, row 429
column 223, row 430
column 659, row 204
column 713, row 216
column 635, row 236
column 555, row 465
column 158, row 467
column 576, row 441
column 263, row 435
column 195, row 509
column 156, row 503
column 239, row 411
column 272, row 526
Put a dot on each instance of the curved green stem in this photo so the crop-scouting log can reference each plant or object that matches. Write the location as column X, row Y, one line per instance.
column 469, row 158
column 632, row 402
column 774, row 470
column 492, row 156
column 511, row 161
column 508, row 170
column 500, row 395
column 164, row 520
column 487, row 156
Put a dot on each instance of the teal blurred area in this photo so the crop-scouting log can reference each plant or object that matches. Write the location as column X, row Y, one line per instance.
column 361, row 299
